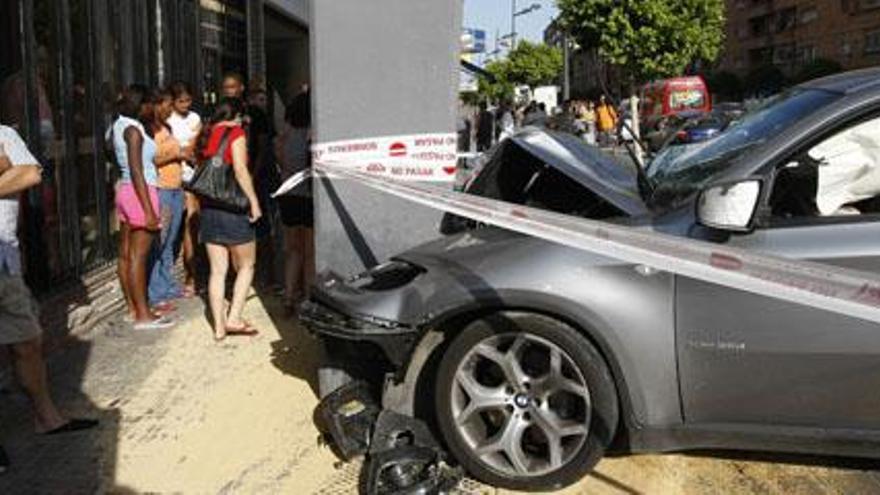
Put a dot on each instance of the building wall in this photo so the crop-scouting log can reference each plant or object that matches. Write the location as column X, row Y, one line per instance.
column 379, row 68
column 791, row 33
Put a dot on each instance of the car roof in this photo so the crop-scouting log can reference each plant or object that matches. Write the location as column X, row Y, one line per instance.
column 848, row 82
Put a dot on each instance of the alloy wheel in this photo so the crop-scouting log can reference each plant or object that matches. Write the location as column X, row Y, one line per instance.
column 521, row 404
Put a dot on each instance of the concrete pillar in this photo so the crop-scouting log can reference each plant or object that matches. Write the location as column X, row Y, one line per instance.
column 379, row 68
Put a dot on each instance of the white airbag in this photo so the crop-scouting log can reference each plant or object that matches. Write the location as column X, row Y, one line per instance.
column 849, row 169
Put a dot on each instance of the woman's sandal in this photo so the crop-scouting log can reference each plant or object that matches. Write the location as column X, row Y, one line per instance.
column 245, row 330
column 155, row 324
column 164, row 308
column 188, row 292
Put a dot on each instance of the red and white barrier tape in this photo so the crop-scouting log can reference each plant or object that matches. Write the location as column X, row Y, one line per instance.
column 840, row 290
column 416, row 157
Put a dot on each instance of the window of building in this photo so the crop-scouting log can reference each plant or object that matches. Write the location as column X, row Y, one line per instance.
column 783, row 54
column 809, row 14
column 806, row 53
column 760, row 56
column 786, row 19
column 846, row 48
column 872, row 41
column 760, row 26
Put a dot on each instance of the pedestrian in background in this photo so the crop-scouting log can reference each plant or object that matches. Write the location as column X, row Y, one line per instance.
column 535, row 115
column 258, row 127
column 19, row 325
column 137, row 202
column 163, row 288
column 506, row 122
column 606, row 122
column 261, row 134
column 485, row 128
column 297, row 209
column 588, row 117
column 186, row 125
column 229, row 234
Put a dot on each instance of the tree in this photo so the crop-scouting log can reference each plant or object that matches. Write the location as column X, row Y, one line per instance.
column 647, row 39
column 530, row 64
column 534, row 64
column 501, row 88
column 765, row 80
column 725, row 85
column 817, row 68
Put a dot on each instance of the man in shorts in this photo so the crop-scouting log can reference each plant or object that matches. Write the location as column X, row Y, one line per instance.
column 19, row 327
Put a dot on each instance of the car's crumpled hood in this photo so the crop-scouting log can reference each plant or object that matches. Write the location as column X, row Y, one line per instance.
column 614, row 181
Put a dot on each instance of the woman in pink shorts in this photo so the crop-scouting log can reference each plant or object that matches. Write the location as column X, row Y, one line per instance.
column 137, row 202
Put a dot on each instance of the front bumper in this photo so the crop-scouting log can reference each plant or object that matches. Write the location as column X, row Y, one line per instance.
column 394, row 340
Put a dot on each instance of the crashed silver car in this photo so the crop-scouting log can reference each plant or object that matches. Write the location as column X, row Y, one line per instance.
column 531, row 359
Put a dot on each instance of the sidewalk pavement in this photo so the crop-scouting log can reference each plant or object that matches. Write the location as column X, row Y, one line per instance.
column 182, row 414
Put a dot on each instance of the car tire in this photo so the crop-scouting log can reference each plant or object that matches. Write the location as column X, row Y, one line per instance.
column 574, row 351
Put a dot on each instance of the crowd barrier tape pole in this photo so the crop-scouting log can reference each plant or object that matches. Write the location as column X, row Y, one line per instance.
column 850, row 292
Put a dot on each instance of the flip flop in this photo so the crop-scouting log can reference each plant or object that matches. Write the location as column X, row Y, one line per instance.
column 245, row 330
column 165, row 307
column 188, row 292
column 157, row 324
column 74, row 425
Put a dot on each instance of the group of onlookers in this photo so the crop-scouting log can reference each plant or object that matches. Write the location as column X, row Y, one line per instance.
column 158, row 143
column 596, row 122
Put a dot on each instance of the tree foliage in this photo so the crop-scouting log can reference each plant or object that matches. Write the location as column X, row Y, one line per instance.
column 725, row 85
column 817, row 68
column 764, row 80
column 647, row 39
column 531, row 64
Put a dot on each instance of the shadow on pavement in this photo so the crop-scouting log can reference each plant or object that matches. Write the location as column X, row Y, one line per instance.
column 81, row 462
column 296, row 354
column 850, row 463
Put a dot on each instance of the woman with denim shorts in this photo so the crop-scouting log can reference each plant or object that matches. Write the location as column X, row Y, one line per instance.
column 229, row 234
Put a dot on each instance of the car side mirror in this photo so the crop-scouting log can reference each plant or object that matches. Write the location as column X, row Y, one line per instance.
column 729, row 206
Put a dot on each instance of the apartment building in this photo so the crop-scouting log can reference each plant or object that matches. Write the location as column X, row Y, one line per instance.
column 792, row 33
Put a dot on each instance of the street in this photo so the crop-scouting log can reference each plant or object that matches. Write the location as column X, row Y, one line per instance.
column 181, row 414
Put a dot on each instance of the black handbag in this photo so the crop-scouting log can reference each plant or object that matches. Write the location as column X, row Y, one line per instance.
column 215, row 184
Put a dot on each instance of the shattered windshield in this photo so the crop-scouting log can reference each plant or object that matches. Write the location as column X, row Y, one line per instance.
column 679, row 171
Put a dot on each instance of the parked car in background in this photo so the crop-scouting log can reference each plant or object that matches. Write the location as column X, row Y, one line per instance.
column 698, row 129
column 663, row 131
column 533, row 359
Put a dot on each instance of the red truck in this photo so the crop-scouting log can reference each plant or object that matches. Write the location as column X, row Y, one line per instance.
column 673, row 96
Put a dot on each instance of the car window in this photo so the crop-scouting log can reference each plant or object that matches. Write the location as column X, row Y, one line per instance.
column 677, row 172
column 837, row 177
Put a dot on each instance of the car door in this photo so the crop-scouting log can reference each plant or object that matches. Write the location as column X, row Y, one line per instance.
column 747, row 358
column 744, row 357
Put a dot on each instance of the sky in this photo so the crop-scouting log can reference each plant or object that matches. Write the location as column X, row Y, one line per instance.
column 492, row 15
